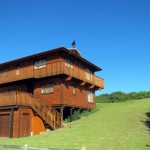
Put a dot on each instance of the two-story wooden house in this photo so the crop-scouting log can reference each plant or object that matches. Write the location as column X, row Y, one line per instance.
column 37, row 91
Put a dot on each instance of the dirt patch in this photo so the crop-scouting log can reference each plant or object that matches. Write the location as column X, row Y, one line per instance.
column 3, row 138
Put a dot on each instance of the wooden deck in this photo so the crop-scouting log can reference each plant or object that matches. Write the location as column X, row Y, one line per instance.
column 51, row 69
column 48, row 113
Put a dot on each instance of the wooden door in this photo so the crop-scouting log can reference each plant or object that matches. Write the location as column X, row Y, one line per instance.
column 26, row 125
column 4, row 125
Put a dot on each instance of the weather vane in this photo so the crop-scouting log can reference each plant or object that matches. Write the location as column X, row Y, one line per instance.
column 73, row 44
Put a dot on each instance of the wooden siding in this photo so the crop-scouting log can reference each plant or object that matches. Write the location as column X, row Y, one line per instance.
column 80, row 98
column 16, row 87
column 50, row 98
column 16, row 123
column 63, row 93
column 37, row 125
column 51, row 69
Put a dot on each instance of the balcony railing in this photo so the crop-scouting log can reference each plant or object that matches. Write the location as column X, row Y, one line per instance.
column 55, row 68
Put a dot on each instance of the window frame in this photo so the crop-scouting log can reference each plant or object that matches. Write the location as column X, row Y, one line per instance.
column 68, row 63
column 4, row 71
column 47, row 88
column 90, row 96
column 41, row 63
column 88, row 73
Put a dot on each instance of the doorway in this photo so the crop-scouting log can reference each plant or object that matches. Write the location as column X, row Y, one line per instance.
column 4, row 125
column 26, row 125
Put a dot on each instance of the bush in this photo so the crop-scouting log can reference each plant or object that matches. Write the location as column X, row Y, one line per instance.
column 121, row 96
column 78, row 115
column 118, row 96
column 103, row 98
column 132, row 95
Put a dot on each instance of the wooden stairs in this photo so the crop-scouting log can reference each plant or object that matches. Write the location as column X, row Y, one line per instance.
column 48, row 114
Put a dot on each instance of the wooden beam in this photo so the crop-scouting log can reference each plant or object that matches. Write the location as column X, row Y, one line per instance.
column 68, row 78
column 92, row 86
column 83, row 83
column 62, row 113
column 99, row 88
column 71, row 114
column 62, row 91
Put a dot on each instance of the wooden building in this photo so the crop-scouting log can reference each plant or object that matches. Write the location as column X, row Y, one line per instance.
column 37, row 91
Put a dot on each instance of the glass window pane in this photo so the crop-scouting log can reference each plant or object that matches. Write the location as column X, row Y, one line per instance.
column 90, row 96
column 51, row 88
column 43, row 89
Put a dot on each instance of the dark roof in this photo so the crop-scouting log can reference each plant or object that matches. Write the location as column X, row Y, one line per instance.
column 96, row 68
column 74, row 50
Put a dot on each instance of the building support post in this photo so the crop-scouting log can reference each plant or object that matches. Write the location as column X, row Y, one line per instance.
column 11, row 122
column 71, row 114
column 62, row 113
column 18, row 132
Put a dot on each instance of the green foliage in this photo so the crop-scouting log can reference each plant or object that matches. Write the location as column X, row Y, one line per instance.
column 77, row 114
column 67, row 119
column 147, row 122
column 121, row 96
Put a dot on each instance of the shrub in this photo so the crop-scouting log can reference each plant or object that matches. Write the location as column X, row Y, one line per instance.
column 121, row 96
column 132, row 95
column 103, row 98
column 78, row 115
column 118, row 96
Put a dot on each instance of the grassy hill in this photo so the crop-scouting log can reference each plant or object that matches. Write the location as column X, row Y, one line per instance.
column 115, row 126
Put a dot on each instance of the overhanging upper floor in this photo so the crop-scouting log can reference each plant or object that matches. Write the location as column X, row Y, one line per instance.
column 51, row 69
column 59, row 61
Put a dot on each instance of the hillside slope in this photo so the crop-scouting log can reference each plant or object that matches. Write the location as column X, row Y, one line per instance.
column 117, row 126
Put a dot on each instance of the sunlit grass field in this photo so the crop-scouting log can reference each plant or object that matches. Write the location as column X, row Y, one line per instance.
column 115, row 126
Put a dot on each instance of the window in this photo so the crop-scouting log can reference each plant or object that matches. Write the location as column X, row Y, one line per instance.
column 47, row 88
column 88, row 75
column 40, row 64
column 68, row 63
column 90, row 96
column 17, row 70
column 74, row 90
column 4, row 71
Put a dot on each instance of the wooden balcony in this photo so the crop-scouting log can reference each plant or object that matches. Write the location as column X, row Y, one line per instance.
column 51, row 69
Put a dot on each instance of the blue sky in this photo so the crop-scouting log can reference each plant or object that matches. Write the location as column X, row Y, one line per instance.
column 113, row 34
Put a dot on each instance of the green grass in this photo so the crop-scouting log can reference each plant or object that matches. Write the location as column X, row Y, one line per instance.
column 115, row 126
